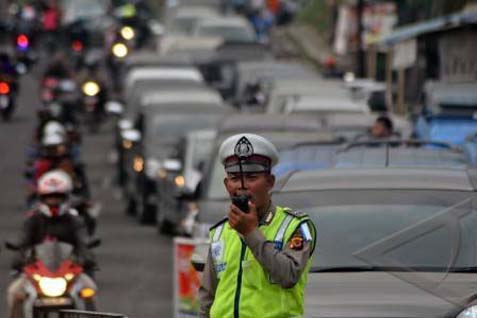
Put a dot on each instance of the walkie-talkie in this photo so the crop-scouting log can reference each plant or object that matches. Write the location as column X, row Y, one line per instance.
column 243, row 149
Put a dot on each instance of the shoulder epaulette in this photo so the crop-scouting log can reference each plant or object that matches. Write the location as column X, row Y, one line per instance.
column 295, row 213
column 225, row 219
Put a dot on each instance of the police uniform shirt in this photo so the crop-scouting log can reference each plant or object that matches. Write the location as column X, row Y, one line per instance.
column 286, row 266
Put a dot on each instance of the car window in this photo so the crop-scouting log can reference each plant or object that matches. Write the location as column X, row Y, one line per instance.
column 228, row 33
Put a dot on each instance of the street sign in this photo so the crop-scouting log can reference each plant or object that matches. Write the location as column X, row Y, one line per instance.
column 87, row 314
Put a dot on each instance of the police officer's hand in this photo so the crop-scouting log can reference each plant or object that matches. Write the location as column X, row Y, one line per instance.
column 244, row 223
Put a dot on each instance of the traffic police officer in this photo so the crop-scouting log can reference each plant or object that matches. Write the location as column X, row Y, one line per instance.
column 258, row 260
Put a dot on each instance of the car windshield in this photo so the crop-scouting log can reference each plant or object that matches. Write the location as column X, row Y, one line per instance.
column 52, row 254
column 305, row 158
column 167, row 126
column 228, row 33
column 184, row 25
column 452, row 131
column 403, row 229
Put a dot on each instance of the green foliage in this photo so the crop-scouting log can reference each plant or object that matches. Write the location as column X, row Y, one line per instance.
column 316, row 13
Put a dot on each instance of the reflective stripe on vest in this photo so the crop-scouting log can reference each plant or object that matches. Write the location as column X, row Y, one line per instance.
column 244, row 287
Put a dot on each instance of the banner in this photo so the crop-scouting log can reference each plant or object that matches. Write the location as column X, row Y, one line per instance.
column 186, row 279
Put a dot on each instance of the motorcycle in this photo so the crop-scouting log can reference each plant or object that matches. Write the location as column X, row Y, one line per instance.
column 60, row 97
column 7, row 97
column 25, row 54
column 93, row 100
column 55, row 280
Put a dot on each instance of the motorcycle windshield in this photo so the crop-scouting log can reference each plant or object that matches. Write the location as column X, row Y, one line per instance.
column 52, row 254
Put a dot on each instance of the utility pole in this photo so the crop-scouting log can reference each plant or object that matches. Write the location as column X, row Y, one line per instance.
column 360, row 52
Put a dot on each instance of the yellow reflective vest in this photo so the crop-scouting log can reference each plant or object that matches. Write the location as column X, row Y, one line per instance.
column 244, row 288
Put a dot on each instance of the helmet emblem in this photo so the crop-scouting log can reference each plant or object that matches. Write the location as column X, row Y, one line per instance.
column 243, row 148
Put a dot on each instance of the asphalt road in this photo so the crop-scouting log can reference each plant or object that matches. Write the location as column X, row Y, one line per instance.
column 135, row 276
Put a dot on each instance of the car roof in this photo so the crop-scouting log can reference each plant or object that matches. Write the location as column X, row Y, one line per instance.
column 270, row 122
column 195, row 11
column 380, row 179
column 226, row 21
column 153, row 59
column 400, row 153
column 166, row 73
column 198, row 96
column 317, row 103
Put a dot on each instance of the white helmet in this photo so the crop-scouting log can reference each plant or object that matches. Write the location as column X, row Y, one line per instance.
column 49, row 140
column 54, row 182
column 54, row 128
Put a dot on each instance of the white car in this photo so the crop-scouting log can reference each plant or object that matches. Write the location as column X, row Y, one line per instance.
column 283, row 92
column 227, row 28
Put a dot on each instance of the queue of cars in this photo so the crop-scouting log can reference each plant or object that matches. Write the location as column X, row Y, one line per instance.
column 393, row 206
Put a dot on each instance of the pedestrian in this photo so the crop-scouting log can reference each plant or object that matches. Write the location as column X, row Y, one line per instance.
column 260, row 254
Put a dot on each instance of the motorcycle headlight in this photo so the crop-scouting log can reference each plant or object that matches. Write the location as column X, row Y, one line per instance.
column 91, row 88
column 127, row 33
column 120, row 50
column 470, row 312
column 52, row 287
column 179, row 181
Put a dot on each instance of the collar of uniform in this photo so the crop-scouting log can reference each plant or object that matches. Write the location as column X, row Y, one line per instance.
column 268, row 217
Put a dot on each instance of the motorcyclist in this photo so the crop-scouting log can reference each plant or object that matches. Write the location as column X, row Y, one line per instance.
column 59, row 67
column 93, row 72
column 55, row 153
column 51, row 219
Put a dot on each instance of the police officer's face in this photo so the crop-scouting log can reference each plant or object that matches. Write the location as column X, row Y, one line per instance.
column 257, row 185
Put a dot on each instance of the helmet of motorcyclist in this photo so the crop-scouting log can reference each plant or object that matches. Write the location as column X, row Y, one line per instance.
column 54, row 128
column 54, row 188
column 53, row 143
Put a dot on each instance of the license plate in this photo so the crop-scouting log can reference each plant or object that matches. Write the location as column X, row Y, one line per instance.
column 53, row 302
column 4, row 101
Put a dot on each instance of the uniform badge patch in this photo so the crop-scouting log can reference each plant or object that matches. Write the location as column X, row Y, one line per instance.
column 217, row 250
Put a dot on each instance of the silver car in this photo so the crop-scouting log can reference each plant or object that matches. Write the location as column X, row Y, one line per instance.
column 391, row 242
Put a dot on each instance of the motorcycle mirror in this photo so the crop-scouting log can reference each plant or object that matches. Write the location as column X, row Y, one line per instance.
column 94, row 243
column 21, row 68
column 11, row 246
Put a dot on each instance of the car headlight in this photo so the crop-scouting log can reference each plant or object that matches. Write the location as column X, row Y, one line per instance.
column 120, row 50
column 127, row 33
column 90, row 88
column 470, row 312
column 52, row 287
